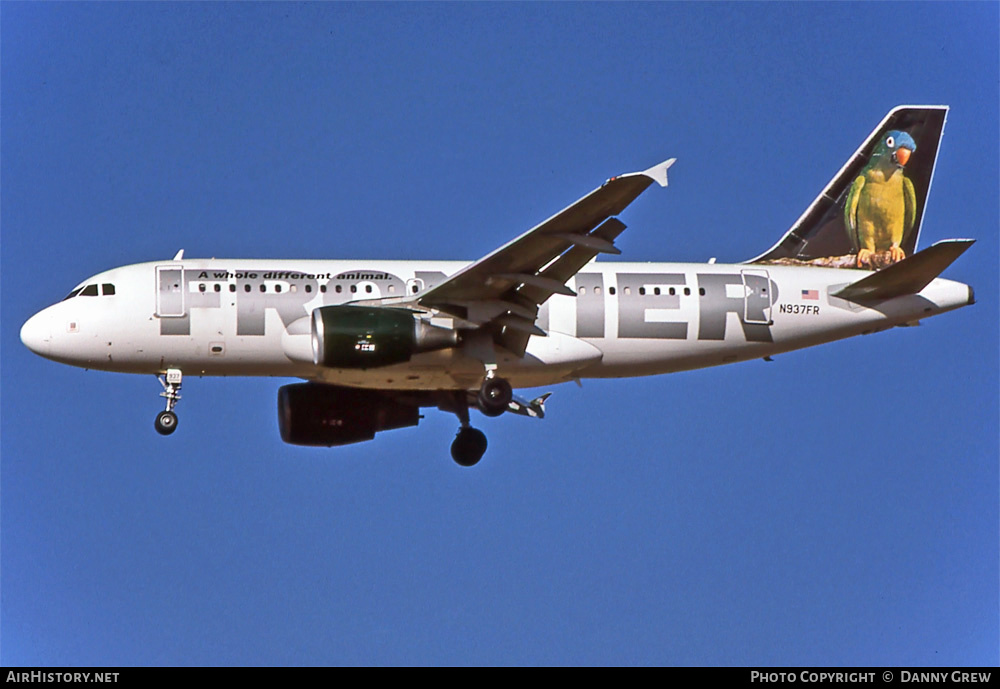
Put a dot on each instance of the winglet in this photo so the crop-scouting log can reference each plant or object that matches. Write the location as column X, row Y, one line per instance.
column 658, row 173
column 909, row 276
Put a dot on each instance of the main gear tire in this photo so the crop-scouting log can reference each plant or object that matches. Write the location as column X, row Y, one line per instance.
column 468, row 447
column 495, row 396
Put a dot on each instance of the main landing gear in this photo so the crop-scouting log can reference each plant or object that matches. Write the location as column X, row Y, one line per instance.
column 493, row 399
column 494, row 395
column 166, row 421
column 469, row 445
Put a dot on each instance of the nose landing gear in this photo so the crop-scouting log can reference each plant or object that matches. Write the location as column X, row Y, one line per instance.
column 166, row 421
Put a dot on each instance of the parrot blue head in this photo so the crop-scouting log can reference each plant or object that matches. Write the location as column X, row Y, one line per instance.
column 896, row 145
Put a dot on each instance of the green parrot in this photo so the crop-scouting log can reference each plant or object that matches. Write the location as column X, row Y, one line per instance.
column 881, row 206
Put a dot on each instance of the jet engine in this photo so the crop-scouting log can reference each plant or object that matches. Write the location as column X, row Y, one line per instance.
column 327, row 415
column 369, row 337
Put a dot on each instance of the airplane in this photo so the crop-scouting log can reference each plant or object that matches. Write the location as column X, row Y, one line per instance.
column 376, row 340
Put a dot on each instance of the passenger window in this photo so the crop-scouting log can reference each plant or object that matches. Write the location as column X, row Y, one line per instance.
column 246, row 288
column 687, row 291
column 309, row 288
column 392, row 289
column 672, row 291
column 263, row 288
column 89, row 291
column 322, row 288
column 232, row 287
column 583, row 290
column 277, row 288
column 107, row 289
column 642, row 291
column 611, row 291
column 701, row 291
column 656, row 291
column 414, row 289
column 338, row 289
column 218, row 287
column 368, row 288
column 201, row 287
column 354, row 288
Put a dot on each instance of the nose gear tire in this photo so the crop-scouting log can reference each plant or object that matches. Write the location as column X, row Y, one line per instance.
column 166, row 422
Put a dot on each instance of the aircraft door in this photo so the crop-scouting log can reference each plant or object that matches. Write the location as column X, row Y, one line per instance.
column 170, row 291
column 757, row 297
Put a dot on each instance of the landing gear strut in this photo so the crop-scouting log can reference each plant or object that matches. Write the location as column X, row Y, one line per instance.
column 166, row 421
column 469, row 445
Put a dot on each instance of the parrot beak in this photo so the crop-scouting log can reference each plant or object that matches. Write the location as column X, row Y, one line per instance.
column 902, row 155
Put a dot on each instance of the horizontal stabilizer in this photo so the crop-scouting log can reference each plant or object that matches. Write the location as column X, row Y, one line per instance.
column 909, row 276
column 535, row 408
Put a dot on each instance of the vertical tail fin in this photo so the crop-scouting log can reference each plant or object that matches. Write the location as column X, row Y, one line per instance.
column 869, row 215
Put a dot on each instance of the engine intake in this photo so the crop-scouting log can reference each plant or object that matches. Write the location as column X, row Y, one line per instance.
column 326, row 415
column 366, row 337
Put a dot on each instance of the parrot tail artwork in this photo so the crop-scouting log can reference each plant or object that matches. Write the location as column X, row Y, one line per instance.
column 869, row 215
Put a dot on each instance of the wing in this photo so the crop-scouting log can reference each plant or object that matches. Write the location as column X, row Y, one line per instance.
column 504, row 289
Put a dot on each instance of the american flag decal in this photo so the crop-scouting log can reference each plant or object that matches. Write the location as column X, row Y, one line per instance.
column 810, row 294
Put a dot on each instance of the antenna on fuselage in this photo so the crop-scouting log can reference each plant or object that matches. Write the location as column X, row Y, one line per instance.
column 179, row 256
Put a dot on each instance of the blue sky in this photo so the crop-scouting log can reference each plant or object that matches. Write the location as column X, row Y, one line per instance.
column 837, row 506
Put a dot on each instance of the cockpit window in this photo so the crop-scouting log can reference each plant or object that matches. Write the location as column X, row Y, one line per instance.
column 107, row 289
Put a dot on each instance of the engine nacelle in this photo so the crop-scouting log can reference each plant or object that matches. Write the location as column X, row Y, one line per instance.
column 325, row 415
column 369, row 337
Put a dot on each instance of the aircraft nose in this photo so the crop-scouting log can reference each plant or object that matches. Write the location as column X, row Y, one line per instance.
column 36, row 333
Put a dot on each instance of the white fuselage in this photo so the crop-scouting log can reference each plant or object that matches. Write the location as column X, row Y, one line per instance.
column 238, row 317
